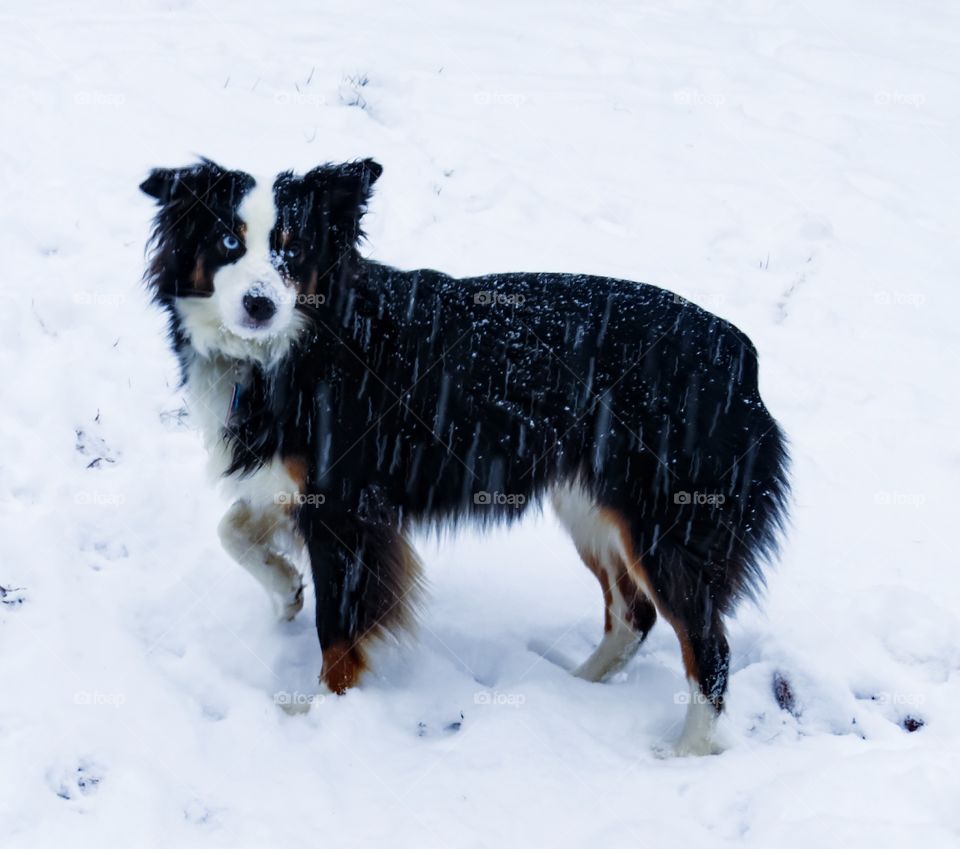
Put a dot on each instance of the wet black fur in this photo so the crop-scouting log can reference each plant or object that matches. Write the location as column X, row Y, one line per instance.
column 413, row 393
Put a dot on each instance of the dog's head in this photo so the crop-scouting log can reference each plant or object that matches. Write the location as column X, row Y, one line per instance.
column 242, row 262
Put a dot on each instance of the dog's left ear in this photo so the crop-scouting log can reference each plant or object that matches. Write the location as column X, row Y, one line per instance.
column 343, row 192
column 356, row 177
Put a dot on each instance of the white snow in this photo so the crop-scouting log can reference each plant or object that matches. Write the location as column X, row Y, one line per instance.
column 792, row 167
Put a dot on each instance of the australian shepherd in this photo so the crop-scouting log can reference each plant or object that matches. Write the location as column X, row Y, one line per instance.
column 347, row 402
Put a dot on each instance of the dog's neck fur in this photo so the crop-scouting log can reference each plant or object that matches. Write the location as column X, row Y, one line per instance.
column 234, row 400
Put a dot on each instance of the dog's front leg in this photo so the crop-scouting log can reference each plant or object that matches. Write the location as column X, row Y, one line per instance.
column 263, row 542
column 366, row 576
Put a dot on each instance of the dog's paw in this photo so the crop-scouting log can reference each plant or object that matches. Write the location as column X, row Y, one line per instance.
column 297, row 703
column 689, row 748
column 290, row 605
column 696, row 748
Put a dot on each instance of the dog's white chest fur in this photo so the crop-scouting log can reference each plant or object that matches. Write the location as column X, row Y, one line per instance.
column 212, row 385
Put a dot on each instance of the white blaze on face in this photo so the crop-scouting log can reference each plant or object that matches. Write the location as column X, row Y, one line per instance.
column 251, row 314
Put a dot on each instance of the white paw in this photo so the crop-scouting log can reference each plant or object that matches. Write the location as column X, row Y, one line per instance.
column 290, row 605
column 699, row 727
column 696, row 748
column 594, row 672
column 297, row 702
column 686, row 749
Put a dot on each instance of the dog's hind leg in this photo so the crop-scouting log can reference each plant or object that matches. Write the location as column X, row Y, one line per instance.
column 691, row 600
column 706, row 659
column 628, row 617
column 263, row 542
column 659, row 582
column 628, row 612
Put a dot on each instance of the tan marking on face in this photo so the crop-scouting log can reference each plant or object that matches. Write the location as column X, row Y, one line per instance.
column 311, row 286
column 304, row 289
column 199, row 278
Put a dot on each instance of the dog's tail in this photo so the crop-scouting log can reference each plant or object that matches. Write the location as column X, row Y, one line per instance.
column 765, row 490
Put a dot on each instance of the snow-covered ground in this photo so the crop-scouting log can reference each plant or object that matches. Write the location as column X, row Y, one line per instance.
column 791, row 166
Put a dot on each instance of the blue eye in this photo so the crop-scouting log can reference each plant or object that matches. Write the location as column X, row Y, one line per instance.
column 229, row 242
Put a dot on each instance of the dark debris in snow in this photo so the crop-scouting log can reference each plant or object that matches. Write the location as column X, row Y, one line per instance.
column 82, row 781
column 90, row 445
column 912, row 723
column 12, row 595
column 783, row 693
column 423, row 729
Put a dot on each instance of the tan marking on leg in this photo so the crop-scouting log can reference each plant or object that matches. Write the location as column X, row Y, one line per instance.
column 608, row 603
column 622, row 636
column 342, row 666
column 639, row 573
column 593, row 564
column 628, row 613
column 391, row 602
column 639, row 611
column 296, row 468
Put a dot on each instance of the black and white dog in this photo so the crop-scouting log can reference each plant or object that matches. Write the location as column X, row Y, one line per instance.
column 348, row 402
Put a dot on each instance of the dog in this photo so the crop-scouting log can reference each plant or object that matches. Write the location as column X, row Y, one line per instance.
column 346, row 402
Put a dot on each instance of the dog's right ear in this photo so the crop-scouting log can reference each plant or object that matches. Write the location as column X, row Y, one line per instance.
column 161, row 184
column 169, row 184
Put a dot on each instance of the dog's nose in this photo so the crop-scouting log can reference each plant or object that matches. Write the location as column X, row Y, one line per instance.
column 258, row 307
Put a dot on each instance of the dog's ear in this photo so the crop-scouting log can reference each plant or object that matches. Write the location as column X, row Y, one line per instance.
column 343, row 192
column 353, row 178
column 169, row 184
column 160, row 184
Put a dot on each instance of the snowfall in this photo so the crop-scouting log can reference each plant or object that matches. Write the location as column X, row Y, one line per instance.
column 791, row 167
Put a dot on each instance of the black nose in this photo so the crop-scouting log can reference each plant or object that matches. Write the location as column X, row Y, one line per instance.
column 258, row 307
